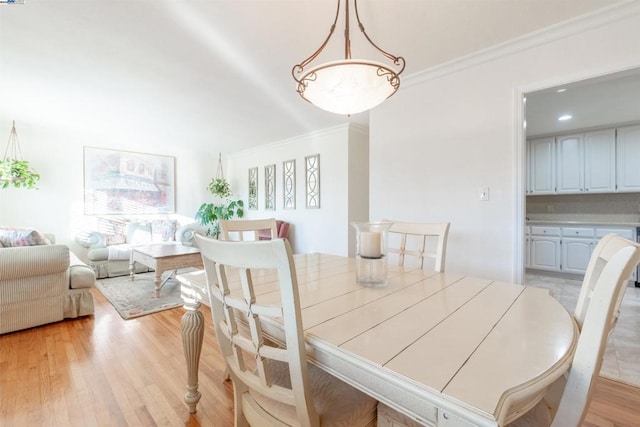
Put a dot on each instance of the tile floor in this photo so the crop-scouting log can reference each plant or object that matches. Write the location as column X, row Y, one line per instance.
column 622, row 356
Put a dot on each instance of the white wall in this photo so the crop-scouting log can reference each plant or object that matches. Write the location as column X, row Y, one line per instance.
column 452, row 130
column 358, row 189
column 57, row 155
column 312, row 230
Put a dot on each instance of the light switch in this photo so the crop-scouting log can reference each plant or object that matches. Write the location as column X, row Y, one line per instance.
column 484, row 194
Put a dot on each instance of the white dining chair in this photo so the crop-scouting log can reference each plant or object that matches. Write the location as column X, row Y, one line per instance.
column 241, row 228
column 411, row 239
column 273, row 384
column 610, row 266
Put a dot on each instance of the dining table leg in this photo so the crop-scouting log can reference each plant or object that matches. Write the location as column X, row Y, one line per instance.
column 192, row 326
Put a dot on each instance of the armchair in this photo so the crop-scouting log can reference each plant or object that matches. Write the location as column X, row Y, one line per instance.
column 42, row 283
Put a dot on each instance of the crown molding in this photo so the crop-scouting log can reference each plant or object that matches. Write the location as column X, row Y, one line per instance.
column 617, row 12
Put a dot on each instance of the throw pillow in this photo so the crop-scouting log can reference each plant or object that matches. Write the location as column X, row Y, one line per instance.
column 113, row 230
column 12, row 237
column 163, row 230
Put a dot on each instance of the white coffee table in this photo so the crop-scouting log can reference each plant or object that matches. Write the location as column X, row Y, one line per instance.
column 163, row 257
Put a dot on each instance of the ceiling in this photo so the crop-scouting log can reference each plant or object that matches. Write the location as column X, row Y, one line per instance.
column 216, row 75
column 609, row 100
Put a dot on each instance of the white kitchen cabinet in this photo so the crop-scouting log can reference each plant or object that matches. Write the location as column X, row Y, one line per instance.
column 600, row 161
column 545, row 253
column 568, row 249
column 545, row 248
column 576, row 254
column 542, row 166
column 569, row 164
column 577, row 246
column 585, row 162
column 628, row 159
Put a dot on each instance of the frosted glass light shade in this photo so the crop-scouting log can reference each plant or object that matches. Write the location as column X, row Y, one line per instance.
column 348, row 86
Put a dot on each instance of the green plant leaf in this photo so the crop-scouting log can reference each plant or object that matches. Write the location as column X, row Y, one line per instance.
column 17, row 173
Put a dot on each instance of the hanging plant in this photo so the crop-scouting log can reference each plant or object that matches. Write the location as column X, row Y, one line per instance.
column 13, row 170
column 219, row 187
column 210, row 213
column 17, row 173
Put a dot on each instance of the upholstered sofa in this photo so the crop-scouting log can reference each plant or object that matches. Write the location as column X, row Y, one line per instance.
column 107, row 248
column 42, row 283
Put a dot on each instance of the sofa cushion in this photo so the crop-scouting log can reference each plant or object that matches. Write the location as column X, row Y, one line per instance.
column 98, row 254
column 12, row 237
column 138, row 233
column 81, row 276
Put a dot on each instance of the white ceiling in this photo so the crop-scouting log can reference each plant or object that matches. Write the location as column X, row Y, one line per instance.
column 216, row 75
column 598, row 102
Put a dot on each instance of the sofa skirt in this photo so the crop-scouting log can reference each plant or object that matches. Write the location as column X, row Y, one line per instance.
column 78, row 302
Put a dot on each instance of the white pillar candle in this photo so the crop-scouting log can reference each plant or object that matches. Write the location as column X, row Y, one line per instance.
column 370, row 244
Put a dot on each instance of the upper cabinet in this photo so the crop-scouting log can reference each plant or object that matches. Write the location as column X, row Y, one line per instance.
column 585, row 162
column 542, row 166
column 600, row 161
column 628, row 159
column 570, row 164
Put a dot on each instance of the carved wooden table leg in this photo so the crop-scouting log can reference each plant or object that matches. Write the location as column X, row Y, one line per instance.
column 132, row 267
column 192, row 325
column 157, row 280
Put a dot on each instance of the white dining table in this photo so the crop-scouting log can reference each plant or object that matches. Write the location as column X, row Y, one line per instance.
column 444, row 349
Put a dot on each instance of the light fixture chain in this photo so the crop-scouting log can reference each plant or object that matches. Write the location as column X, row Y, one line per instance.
column 396, row 59
column 347, row 39
column 298, row 68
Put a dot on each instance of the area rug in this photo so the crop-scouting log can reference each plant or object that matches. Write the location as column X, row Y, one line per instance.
column 138, row 298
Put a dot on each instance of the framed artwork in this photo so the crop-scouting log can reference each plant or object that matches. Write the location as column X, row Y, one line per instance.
column 270, row 187
column 253, row 188
column 289, row 184
column 125, row 182
column 312, row 181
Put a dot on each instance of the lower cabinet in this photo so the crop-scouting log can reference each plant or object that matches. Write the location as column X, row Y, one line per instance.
column 576, row 254
column 566, row 249
column 545, row 253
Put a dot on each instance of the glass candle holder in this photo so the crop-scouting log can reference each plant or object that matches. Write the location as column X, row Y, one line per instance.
column 371, row 253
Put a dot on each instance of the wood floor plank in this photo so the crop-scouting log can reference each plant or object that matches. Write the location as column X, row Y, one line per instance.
column 104, row 371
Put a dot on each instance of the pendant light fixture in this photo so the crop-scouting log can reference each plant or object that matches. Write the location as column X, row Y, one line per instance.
column 348, row 86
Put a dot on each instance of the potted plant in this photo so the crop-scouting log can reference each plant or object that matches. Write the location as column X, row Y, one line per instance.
column 13, row 170
column 225, row 207
column 17, row 173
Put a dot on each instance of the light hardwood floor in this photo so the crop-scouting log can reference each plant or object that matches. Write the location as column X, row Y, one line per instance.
column 104, row 371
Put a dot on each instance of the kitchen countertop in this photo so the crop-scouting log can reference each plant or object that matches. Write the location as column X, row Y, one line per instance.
column 595, row 223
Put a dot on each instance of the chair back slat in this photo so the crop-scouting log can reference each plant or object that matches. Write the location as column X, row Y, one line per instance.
column 241, row 228
column 413, row 241
column 250, row 354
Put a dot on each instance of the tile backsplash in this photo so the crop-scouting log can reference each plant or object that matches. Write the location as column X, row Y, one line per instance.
column 613, row 207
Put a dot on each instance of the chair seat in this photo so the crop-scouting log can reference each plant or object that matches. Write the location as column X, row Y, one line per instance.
column 337, row 403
